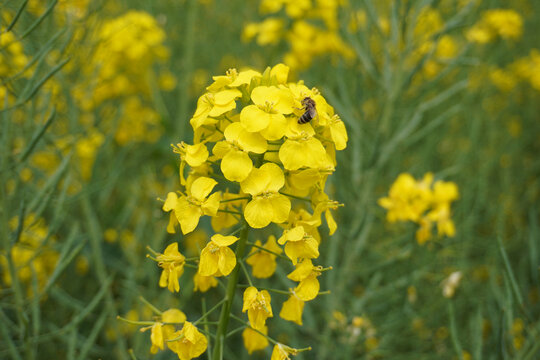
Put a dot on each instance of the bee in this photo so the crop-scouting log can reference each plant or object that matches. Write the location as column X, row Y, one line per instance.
column 308, row 104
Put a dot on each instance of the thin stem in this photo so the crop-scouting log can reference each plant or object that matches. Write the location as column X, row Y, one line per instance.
column 154, row 309
column 245, row 272
column 295, row 197
column 268, row 251
column 229, row 297
column 236, row 199
column 274, row 342
column 209, row 312
column 135, row 322
column 206, row 328
column 230, row 212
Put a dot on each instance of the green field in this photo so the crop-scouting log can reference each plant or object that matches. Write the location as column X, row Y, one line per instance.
column 314, row 179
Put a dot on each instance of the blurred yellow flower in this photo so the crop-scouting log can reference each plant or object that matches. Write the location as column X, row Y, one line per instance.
column 263, row 263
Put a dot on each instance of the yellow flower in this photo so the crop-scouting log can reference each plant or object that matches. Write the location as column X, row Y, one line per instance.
column 257, row 304
column 267, row 116
column 172, row 263
column 306, row 274
column 254, row 341
column 232, row 79
column 160, row 333
column 194, row 155
column 204, row 283
column 267, row 204
column 188, row 209
column 263, row 263
column 298, row 244
column 303, row 151
column 292, row 309
column 234, row 151
column 282, row 352
column 191, row 345
column 216, row 258
column 211, row 105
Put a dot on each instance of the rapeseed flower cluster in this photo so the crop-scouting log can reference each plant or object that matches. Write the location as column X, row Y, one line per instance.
column 253, row 165
column 121, row 67
column 32, row 256
column 494, row 24
column 12, row 60
column 310, row 28
column 424, row 202
column 438, row 51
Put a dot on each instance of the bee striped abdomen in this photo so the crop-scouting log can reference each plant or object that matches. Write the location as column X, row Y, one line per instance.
column 310, row 111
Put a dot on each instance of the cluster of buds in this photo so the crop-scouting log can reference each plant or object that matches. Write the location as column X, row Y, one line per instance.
column 259, row 173
column 424, row 202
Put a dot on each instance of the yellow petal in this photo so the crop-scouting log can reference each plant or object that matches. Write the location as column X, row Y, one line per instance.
column 196, row 154
column 220, row 109
column 252, row 142
column 227, row 261
column 302, row 271
column 188, row 215
column 308, row 289
column 250, row 295
column 201, row 187
column 254, row 119
column 274, row 175
column 170, row 202
column 294, row 234
column 332, row 225
column 226, row 96
column 277, row 126
column 211, row 205
column 173, row 316
column 281, row 72
column 172, row 223
column 244, row 77
column 339, row 135
column 257, row 182
column 292, row 310
column 292, row 155
column 208, row 264
column 259, row 212
column 281, row 206
column 222, row 241
column 236, row 165
column 221, row 149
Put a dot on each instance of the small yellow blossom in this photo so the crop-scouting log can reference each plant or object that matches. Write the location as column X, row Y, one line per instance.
column 204, row 283
column 282, row 352
column 257, row 304
column 234, row 152
column 267, row 204
column 172, row 263
column 217, row 258
column 306, row 274
column 192, row 343
column 189, row 208
column 299, row 245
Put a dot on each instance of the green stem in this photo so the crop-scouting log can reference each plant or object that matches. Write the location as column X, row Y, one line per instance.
column 229, row 297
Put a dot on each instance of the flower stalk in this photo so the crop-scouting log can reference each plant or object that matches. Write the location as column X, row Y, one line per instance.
column 231, row 290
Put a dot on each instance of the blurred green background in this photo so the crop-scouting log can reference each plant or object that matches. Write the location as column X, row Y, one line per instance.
column 94, row 92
